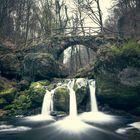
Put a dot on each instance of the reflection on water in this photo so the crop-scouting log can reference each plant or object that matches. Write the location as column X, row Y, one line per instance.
column 70, row 128
column 74, row 129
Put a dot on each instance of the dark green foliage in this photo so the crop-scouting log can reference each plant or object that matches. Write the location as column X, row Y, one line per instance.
column 20, row 105
column 36, row 92
column 28, row 99
column 7, row 91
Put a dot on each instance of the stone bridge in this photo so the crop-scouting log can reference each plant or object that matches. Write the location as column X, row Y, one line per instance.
column 57, row 45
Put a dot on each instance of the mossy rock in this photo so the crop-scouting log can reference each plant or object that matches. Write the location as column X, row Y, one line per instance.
column 118, row 97
column 23, row 85
column 10, row 66
column 37, row 91
column 39, row 84
column 118, row 76
column 3, row 102
column 8, row 90
column 51, row 87
column 20, row 104
column 82, row 96
column 61, row 99
column 28, row 99
column 39, row 66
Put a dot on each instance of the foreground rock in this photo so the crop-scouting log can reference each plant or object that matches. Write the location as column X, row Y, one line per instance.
column 117, row 72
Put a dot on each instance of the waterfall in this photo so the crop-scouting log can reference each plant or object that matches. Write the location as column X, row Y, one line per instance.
column 47, row 105
column 73, row 103
column 51, row 104
column 94, row 107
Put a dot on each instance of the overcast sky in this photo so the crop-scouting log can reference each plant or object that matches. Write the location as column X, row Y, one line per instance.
column 105, row 4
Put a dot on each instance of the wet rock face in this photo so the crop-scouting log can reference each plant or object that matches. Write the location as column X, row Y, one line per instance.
column 130, row 77
column 29, row 65
column 117, row 72
column 61, row 96
column 61, row 99
column 9, row 65
column 41, row 66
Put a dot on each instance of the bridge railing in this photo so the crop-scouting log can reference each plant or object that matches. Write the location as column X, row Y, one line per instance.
column 79, row 31
column 69, row 31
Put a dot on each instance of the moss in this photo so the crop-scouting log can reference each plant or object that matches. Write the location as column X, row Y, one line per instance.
column 36, row 92
column 22, row 102
column 61, row 99
column 51, row 87
column 19, row 106
column 38, row 86
column 2, row 102
column 115, row 59
column 8, row 91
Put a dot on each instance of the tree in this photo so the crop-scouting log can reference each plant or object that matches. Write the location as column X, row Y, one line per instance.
column 126, row 17
column 92, row 9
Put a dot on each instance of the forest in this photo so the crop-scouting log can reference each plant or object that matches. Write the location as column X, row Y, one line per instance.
column 70, row 68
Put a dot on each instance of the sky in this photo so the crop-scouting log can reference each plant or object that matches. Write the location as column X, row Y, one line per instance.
column 104, row 4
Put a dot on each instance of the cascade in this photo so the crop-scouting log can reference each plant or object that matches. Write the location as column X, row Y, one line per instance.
column 51, row 104
column 73, row 103
column 94, row 107
column 47, row 106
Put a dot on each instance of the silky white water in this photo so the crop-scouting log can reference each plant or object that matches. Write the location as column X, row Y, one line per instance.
column 47, row 106
column 51, row 104
column 73, row 103
column 93, row 101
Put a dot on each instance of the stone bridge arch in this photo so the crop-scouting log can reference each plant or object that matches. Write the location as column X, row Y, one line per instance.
column 59, row 44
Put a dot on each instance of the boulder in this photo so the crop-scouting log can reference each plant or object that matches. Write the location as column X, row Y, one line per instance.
column 23, row 85
column 117, row 72
column 36, row 93
column 10, row 66
column 38, row 66
column 61, row 99
column 61, row 96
